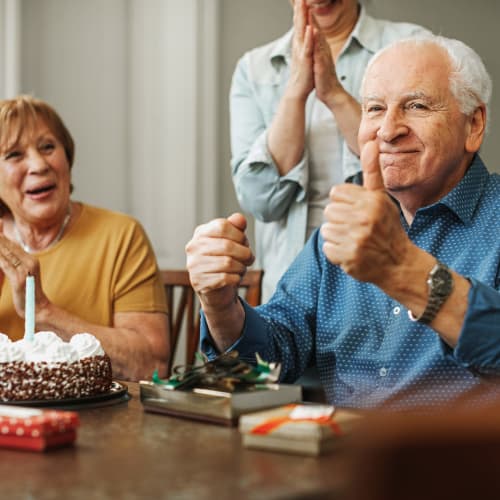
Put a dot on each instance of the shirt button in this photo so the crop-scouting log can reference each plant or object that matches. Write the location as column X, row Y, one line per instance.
column 396, row 310
column 383, row 372
column 343, row 77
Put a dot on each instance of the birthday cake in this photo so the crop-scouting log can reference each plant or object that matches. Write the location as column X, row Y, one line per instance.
column 49, row 368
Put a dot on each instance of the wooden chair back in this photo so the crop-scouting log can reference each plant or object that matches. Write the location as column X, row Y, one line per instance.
column 184, row 306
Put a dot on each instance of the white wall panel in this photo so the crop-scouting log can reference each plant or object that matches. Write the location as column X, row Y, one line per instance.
column 10, row 47
column 171, row 98
column 74, row 55
column 135, row 81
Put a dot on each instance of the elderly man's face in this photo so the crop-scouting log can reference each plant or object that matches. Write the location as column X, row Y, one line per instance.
column 408, row 109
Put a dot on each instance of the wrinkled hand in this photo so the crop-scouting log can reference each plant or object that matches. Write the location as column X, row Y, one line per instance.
column 217, row 258
column 326, row 82
column 301, row 81
column 16, row 265
column 363, row 232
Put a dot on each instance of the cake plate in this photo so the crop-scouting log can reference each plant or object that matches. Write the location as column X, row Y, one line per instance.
column 118, row 393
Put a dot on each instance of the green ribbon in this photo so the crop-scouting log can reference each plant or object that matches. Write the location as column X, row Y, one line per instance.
column 225, row 372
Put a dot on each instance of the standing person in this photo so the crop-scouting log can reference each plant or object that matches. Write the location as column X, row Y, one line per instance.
column 294, row 121
column 94, row 269
column 397, row 297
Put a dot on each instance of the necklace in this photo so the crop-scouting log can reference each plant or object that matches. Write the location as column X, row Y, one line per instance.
column 28, row 249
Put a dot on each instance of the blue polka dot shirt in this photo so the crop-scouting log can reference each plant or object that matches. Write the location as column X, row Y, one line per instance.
column 367, row 351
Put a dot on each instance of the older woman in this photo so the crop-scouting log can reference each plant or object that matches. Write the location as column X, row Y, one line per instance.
column 294, row 121
column 95, row 270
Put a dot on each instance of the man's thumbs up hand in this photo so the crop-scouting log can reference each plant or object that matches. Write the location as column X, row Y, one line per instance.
column 372, row 175
column 362, row 231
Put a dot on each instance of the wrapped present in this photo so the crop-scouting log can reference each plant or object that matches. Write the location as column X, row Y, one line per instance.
column 218, row 391
column 215, row 406
column 306, row 429
column 34, row 429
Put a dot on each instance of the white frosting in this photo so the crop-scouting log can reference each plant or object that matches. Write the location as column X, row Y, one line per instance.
column 39, row 349
column 34, row 351
column 47, row 338
column 10, row 351
column 86, row 345
column 22, row 344
column 61, row 352
column 4, row 339
column 49, row 347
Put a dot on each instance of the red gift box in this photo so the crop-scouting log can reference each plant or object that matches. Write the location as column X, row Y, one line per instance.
column 33, row 429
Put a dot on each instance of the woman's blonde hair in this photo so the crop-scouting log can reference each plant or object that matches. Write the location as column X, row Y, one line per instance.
column 19, row 118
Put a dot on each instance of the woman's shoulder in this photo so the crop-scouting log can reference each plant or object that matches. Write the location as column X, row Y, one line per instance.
column 98, row 216
column 391, row 31
column 260, row 57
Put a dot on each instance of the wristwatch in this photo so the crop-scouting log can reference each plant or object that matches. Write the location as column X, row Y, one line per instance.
column 440, row 282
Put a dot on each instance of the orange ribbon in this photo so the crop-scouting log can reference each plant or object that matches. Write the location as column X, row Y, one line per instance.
column 273, row 423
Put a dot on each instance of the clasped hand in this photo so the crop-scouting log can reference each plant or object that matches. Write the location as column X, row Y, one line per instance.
column 312, row 65
column 16, row 265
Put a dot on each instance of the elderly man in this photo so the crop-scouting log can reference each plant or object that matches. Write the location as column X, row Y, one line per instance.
column 396, row 298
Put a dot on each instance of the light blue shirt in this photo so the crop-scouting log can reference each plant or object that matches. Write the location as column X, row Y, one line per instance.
column 367, row 350
column 280, row 204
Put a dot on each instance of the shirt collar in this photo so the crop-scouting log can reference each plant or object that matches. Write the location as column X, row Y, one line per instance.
column 366, row 32
column 462, row 200
column 282, row 51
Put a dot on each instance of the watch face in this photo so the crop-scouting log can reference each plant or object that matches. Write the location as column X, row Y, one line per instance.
column 441, row 281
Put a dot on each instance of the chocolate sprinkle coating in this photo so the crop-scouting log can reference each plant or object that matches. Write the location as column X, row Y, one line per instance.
column 25, row 381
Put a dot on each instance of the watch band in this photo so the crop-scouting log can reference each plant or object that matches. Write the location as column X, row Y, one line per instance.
column 440, row 282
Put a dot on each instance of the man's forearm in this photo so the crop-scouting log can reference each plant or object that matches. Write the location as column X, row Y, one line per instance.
column 408, row 285
column 225, row 325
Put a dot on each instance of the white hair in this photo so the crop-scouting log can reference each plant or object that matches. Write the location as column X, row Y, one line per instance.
column 470, row 82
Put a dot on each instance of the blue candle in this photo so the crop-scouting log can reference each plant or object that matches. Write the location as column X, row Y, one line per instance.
column 29, row 309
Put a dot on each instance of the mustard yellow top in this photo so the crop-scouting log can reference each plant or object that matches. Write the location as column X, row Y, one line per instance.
column 102, row 265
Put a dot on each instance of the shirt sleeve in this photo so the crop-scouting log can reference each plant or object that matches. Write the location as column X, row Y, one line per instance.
column 478, row 346
column 283, row 329
column 138, row 286
column 261, row 191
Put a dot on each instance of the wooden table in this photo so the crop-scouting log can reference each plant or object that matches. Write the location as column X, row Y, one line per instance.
column 124, row 453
